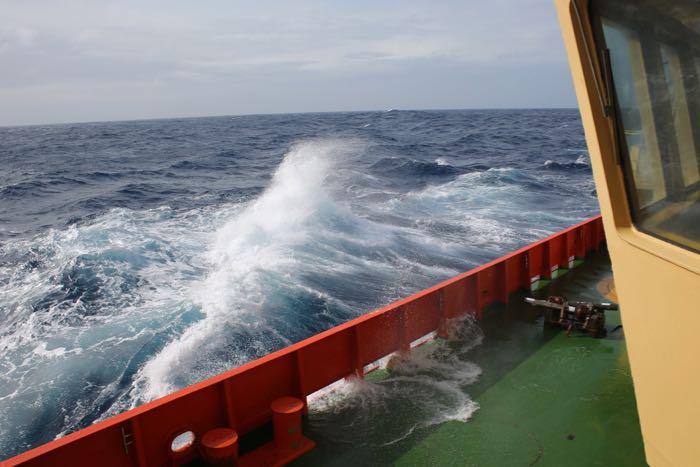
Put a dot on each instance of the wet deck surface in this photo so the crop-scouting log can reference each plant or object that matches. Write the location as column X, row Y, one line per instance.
column 529, row 395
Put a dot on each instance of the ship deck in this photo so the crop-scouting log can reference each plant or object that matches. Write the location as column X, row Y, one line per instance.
column 543, row 398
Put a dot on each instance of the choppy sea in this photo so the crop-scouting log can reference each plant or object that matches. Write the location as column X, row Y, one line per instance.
column 139, row 257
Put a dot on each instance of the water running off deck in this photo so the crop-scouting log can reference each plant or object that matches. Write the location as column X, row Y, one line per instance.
column 509, row 393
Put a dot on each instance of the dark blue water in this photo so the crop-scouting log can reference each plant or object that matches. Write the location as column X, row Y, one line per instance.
column 139, row 257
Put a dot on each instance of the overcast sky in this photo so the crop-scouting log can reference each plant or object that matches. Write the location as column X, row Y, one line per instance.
column 69, row 61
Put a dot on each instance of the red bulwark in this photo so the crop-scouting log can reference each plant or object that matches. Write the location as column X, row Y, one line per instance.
column 241, row 398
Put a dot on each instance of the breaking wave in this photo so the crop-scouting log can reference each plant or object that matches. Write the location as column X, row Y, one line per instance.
column 254, row 260
column 148, row 273
column 581, row 163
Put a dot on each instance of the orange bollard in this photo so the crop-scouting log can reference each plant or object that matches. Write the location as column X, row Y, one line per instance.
column 289, row 442
column 286, row 421
column 220, row 446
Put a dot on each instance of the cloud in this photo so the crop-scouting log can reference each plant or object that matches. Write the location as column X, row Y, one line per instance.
column 15, row 38
column 165, row 45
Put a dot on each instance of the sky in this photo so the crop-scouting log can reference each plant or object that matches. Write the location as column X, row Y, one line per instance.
column 73, row 61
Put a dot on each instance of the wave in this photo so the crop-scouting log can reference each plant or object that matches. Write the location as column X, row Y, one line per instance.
column 151, row 274
column 37, row 188
column 411, row 169
column 255, row 257
column 78, row 306
column 131, row 305
column 581, row 163
column 294, row 249
column 135, row 304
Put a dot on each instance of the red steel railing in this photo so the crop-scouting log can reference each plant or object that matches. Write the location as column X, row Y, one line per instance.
column 240, row 398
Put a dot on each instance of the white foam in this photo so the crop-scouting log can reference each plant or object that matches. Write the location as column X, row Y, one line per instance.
column 174, row 287
column 68, row 339
column 296, row 228
column 583, row 159
column 257, row 246
column 424, row 388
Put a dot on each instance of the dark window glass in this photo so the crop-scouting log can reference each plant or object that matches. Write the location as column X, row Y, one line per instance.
column 655, row 63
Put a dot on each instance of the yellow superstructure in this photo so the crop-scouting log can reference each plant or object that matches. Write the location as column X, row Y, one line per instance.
column 636, row 71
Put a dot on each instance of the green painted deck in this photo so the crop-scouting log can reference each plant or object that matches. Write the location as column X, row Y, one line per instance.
column 544, row 398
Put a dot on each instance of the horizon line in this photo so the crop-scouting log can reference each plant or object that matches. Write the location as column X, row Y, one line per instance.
column 194, row 117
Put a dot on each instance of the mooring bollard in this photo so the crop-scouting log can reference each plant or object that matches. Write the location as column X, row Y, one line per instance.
column 220, row 446
column 286, row 421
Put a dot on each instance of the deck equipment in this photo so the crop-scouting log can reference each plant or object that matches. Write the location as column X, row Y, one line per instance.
column 574, row 316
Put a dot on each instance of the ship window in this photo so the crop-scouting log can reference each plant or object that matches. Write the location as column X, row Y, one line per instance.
column 654, row 50
column 681, row 114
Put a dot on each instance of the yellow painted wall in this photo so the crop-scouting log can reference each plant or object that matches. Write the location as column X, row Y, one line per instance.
column 658, row 284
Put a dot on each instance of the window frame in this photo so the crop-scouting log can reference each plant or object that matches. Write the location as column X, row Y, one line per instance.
column 662, row 37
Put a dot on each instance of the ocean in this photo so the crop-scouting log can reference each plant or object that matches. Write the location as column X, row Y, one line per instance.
column 139, row 257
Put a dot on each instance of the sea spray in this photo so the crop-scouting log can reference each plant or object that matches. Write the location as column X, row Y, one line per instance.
column 408, row 393
column 112, row 249
column 252, row 256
